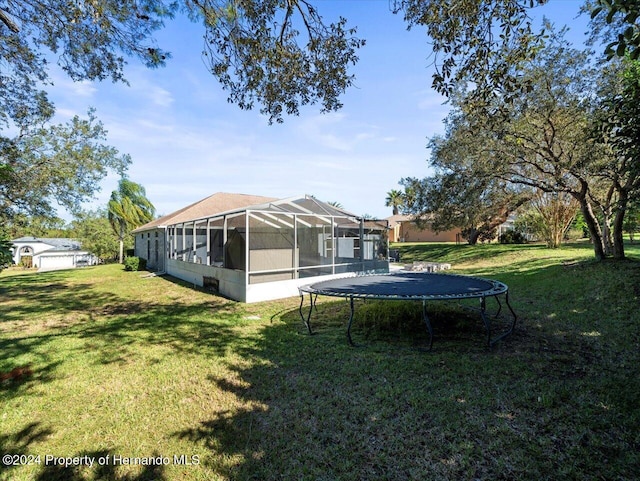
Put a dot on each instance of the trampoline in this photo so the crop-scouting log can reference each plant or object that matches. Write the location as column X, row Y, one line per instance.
column 412, row 286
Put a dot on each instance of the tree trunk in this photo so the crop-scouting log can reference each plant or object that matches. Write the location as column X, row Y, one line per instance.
column 474, row 234
column 121, row 239
column 121, row 253
column 607, row 240
column 594, row 229
column 618, row 221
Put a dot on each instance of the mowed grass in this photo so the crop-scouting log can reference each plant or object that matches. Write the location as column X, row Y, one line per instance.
column 116, row 366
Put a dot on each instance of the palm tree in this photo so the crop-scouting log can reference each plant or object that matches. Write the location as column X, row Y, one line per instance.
column 395, row 199
column 128, row 208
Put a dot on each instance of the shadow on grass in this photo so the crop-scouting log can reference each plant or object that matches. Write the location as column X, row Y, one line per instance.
column 16, row 448
column 181, row 328
column 107, row 472
column 557, row 399
column 111, row 325
column 18, row 443
column 553, row 400
column 22, row 379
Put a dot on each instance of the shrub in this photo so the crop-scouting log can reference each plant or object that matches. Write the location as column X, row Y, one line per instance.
column 135, row 264
column 512, row 237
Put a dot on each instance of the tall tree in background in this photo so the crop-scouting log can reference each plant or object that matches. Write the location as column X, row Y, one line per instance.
column 94, row 230
column 617, row 128
column 460, row 194
column 539, row 140
column 6, row 257
column 395, row 200
column 542, row 139
column 552, row 216
column 22, row 225
column 55, row 164
column 128, row 208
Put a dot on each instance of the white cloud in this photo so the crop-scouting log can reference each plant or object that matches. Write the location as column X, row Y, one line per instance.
column 158, row 96
column 63, row 85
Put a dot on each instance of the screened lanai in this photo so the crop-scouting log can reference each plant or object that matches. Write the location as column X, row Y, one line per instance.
column 284, row 240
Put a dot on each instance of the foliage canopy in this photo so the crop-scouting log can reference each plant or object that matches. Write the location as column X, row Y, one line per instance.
column 128, row 208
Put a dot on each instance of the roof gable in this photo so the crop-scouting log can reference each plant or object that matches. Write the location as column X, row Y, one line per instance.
column 214, row 204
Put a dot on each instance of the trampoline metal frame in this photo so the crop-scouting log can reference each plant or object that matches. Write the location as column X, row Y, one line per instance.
column 497, row 289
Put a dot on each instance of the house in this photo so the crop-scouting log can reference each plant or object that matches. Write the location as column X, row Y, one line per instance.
column 402, row 228
column 150, row 239
column 50, row 253
column 253, row 248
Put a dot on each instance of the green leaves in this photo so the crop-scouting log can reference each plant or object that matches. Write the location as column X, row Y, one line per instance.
column 622, row 29
column 89, row 40
column 61, row 163
column 259, row 56
column 6, row 257
column 128, row 208
column 479, row 42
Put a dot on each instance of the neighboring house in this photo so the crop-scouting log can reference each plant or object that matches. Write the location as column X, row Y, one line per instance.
column 253, row 248
column 50, row 253
column 402, row 228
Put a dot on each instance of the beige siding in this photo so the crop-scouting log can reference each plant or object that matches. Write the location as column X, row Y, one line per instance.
column 408, row 231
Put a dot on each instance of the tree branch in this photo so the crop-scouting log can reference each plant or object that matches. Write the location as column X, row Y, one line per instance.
column 6, row 19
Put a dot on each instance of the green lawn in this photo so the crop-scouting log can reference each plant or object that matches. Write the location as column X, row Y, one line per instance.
column 110, row 366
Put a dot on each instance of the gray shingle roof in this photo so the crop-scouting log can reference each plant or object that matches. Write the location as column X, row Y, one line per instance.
column 58, row 244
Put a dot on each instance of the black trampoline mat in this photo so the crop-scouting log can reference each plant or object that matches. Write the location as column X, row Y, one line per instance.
column 408, row 285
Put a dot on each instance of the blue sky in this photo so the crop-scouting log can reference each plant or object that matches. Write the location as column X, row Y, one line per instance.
column 187, row 142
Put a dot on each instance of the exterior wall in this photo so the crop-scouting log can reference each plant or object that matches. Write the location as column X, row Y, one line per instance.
column 47, row 261
column 289, row 288
column 36, row 248
column 394, row 233
column 231, row 283
column 150, row 245
column 409, row 232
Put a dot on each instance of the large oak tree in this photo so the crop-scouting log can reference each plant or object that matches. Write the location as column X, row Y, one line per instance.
column 276, row 54
column 54, row 163
column 544, row 139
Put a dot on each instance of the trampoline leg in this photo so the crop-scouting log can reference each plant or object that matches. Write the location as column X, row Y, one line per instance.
column 515, row 318
column 485, row 319
column 307, row 320
column 350, row 322
column 511, row 327
column 499, row 307
column 427, row 323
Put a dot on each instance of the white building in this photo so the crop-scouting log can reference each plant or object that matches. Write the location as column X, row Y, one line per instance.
column 252, row 248
column 50, row 253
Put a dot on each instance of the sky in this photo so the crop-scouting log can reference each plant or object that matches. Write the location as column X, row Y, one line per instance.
column 187, row 142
